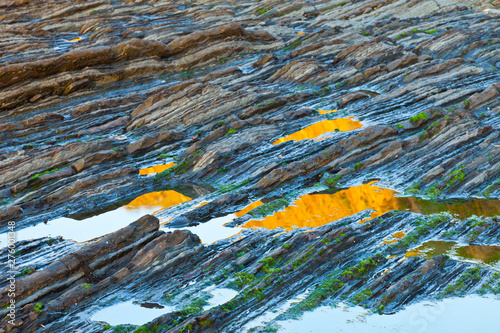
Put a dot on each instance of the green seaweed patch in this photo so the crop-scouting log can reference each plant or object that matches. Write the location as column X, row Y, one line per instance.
column 269, row 263
column 233, row 186
column 423, row 227
column 242, row 279
column 326, row 289
column 38, row 307
column 433, row 192
column 332, row 181
column 413, row 189
column 269, row 208
column 231, row 131
column 456, row 177
column 466, row 281
column 180, row 167
column 361, row 269
column 418, row 117
column 357, row 165
column 145, row 329
column 38, row 175
column 362, row 296
column 491, row 286
column 195, row 307
column 492, row 188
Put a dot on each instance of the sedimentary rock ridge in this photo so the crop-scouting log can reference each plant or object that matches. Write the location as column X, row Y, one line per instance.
column 240, row 96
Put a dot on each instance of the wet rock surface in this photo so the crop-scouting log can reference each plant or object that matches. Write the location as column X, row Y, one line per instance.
column 92, row 92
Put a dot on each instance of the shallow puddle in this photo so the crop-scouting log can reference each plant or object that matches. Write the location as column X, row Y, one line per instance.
column 248, row 208
column 213, row 230
column 156, row 169
column 317, row 129
column 219, row 296
column 468, row 314
column 129, row 313
column 134, row 313
column 461, row 210
column 326, row 111
column 394, row 238
column 102, row 224
column 313, row 210
column 161, row 199
column 478, row 254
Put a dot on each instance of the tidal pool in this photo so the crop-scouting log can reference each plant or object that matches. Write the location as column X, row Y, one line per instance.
column 394, row 237
column 102, row 224
column 317, row 129
column 468, row 314
column 317, row 209
column 326, row 111
column 156, row 169
column 219, row 296
column 134, row 313
column 248, row 208
column 213, row 230
column 459, row 209
column 313, row 210
column 477, row 254
column 162, row 199
column 129, row 313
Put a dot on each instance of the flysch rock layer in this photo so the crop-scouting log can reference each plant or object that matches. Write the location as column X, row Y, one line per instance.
column 93, row 91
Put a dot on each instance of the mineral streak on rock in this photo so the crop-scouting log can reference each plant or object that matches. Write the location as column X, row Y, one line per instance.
column 269, row 113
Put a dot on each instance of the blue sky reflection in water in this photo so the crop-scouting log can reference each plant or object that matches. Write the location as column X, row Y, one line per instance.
column 457, row 315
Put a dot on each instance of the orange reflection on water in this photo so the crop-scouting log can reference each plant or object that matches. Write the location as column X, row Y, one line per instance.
column 161, row 199
column 315, row 210
column 156, row 168
column 319, row 128
column 326, row 111
column 248, row 208
column 394, row 238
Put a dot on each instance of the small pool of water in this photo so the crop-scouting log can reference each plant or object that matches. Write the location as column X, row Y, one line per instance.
column 156, row 169
column 135, row 313
column 219, row 296
column 459, row 209
column 162, row 199
column 213, row 230
column 326, row 111
column 468, row 314
column 394, row 237
column 477, row 254
column 317, row 209
column 316, row 130
column 102, row 224
column 313, row 210
column 130, row 312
